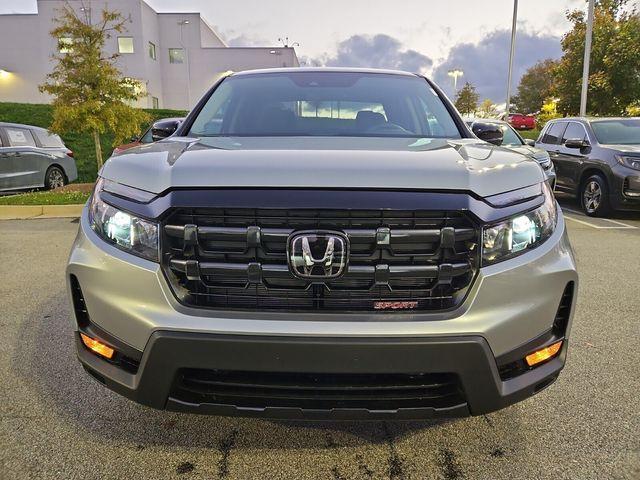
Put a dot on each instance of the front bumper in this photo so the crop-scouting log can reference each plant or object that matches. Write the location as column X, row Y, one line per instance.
column 510, row 305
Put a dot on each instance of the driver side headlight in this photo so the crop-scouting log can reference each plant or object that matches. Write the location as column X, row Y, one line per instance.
column 520, row 233
column 121, row 229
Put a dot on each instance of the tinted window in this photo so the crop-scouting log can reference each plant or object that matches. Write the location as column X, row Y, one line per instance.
column 553, row 134
column 47, row 139
column 617, row 132
column 325, row 104
column 19, row 137
column 574, row 130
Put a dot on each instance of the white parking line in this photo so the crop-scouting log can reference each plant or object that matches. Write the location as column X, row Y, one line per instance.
column 621, row 226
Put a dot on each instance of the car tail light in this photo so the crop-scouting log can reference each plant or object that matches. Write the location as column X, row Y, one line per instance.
column 70, row 154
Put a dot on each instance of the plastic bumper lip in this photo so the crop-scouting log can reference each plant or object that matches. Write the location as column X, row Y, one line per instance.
column 129, row 298
column 468, row 357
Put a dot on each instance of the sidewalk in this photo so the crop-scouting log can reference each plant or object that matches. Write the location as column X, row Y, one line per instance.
column 20, row 212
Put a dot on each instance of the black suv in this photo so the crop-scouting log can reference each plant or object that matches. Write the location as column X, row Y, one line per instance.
column 596, row 158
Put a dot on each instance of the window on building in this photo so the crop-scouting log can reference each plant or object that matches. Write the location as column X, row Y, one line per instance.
column 65, row 44
column 125, row 45
column 152, row 51
column 155, row 103
column 176, row 55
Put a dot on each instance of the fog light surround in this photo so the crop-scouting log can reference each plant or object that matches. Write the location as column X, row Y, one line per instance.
column 543, row 354
column 97, row 347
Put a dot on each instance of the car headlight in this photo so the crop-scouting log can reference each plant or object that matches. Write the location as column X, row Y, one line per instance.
column 121, row 229
column 520, row 233
column 631, row 162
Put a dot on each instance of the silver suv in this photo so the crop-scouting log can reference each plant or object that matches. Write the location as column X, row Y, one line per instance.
column 323, row 243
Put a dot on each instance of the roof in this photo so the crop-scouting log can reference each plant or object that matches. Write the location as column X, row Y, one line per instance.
column 325, row 70
column 21, row 125
column 593, row 119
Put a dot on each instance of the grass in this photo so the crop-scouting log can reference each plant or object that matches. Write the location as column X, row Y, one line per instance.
column 532, row 134
column 81, row 143
column 52, row 197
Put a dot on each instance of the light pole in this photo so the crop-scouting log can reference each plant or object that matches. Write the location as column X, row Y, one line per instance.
column 455, row 73
column 511, row 53
column 587, row 59
column 182, row 23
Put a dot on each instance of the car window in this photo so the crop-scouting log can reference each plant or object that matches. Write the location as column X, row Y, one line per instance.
column 19, row 137
column 48, row 139
column 509, row 136
column 574, row 130
column 553, row 134
column 147, row 137
column 325, row 104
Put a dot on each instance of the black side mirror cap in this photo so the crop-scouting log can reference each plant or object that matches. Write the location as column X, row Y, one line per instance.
column 488, row 132
column 165, row 129
column 576, row 143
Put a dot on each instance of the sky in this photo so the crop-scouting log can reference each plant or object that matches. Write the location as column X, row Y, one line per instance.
column 427, row 36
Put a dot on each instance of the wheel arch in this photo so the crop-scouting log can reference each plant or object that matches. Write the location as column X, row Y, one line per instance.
column 60, row 167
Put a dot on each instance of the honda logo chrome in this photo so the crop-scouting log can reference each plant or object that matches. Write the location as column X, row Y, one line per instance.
column 318, row 255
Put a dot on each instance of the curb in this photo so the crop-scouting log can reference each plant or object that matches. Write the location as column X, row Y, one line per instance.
column 23, row 212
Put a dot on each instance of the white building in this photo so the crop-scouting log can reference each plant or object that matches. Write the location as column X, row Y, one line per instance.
column 176, row 57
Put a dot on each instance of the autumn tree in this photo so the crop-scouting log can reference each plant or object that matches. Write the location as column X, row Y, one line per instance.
column 488, row 109
column 90, row 95
column 536, row 85
column 467, row 99
column 614, row 69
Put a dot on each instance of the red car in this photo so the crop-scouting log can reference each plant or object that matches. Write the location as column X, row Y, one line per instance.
column 520, row 121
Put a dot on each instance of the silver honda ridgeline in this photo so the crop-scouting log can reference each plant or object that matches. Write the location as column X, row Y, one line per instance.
column 323, row 243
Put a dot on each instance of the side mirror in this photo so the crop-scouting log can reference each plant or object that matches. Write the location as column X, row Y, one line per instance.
column 162, row 130
column 576, row 143
column 488, row 132
column 528, row 141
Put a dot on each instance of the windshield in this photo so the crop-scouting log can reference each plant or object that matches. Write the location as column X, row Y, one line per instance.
column 510, row 137
column 325, row 104
column 617, row 132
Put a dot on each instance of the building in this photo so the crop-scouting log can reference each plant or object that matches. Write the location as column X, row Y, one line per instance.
column 175, row 57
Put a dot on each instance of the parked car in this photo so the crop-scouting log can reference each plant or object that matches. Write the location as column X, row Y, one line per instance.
column 597, row 159
column 521, row 121
column 32, row 157
column 339, row 245
column 159, row 129
column 511, row 139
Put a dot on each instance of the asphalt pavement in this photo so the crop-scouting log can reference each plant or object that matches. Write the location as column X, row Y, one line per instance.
column 56, row 422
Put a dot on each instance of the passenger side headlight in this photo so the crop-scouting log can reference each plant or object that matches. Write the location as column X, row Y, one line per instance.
column 121, row 229
column 627, row 161
column 520, row 233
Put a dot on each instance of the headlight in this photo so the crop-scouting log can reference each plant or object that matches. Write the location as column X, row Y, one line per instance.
column 631, row 162
column 121, row 229
column 520, row 233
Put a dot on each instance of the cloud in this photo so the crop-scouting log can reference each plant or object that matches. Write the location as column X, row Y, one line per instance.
column 378, row 51
column 485, row 64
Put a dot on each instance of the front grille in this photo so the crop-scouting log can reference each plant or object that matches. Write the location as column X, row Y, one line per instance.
column 318, row 391
column 237, row 259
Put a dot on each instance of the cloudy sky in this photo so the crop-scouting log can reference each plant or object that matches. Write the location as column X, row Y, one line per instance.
column 430, row 36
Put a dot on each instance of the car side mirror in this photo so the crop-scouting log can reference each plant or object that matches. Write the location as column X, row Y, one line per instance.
column 576, row 143
column 488, row 132
column 530, row 142
column 162, row 130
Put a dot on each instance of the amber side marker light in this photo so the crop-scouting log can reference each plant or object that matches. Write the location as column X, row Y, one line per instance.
column 97, row 347
column 543, row 354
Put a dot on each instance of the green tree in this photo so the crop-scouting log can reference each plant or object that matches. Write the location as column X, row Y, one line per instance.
column 90, row 95
column 614, row 70
column 535, row 86
column 488, row 109
column 467, row 99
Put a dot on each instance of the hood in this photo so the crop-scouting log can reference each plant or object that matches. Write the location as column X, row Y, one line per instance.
column 323, row 162
column 533, row 152
column 624, row 148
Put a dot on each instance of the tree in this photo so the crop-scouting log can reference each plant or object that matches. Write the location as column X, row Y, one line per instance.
column 89, row 93
column 535, row 86
column 488, row 109
column 467, row 99
column 614, row 70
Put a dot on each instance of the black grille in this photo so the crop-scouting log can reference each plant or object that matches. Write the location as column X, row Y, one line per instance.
column 236, row 259
column 318, row 391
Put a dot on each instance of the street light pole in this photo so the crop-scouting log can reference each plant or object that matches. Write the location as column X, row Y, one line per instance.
column 182, row 23
column 455, row 73
column 587, row 59
column 511, row 54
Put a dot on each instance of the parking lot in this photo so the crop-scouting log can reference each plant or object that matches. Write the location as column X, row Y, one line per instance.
column 56, row 422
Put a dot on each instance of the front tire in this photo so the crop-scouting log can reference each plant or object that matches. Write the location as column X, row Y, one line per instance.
column 54, row 178
column 594, row 196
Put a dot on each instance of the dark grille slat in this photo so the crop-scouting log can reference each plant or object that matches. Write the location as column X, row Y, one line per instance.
column 236, row 258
